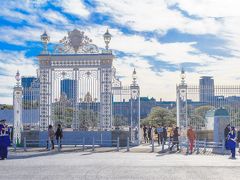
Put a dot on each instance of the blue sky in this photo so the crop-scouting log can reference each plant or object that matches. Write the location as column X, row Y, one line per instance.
column 157, row 37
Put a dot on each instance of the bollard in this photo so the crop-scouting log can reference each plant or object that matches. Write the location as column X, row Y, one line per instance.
column 205, row 145
column 180, row 144
column 223, row 146
column 198, row 147
column 187, row 142
column 169, row 144
column 117, row 143
column 195, row 145
column 163, row 142
column 93, row 144
column 59, row 145
column 25, row 144
column 48, row 144
column 152, row 145
column 83, row 144
column 127, row 144
column 14, row 145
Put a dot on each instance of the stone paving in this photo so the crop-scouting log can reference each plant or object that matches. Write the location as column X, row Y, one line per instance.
column 117, row 165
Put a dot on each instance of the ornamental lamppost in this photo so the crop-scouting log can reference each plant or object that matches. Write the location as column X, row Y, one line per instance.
column 182, row 110
column 45, row 40
column 107, row 38
column 17, row 107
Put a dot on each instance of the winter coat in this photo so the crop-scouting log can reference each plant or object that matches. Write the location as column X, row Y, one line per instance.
column 59, row 133
column 51, row 134
column 191, row 135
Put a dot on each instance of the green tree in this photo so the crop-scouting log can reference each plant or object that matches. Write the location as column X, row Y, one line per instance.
column 159, row 115
column 197, row 116
column 119, row 120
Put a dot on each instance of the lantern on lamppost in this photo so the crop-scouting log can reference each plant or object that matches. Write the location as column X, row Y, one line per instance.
column 45, row 40
column 107, row 38
column 183, row 76
column 17, row 77
column 134, row 77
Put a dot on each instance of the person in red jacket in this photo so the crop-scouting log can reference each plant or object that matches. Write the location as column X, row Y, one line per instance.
column 191, row 138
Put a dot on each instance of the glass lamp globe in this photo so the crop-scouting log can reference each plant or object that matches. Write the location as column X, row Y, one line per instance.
column 17, row 77
column 45, row 38
column 107, row 37
column 134, row 74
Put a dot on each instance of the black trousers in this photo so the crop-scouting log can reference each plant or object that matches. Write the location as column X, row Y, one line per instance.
column 3, row 151
column 59, row 139
column 175, row 143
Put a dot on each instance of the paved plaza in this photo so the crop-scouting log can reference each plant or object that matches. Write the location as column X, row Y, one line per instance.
column 117, row 165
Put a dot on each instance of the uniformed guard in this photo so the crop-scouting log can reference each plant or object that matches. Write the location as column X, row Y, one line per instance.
column 4, row 139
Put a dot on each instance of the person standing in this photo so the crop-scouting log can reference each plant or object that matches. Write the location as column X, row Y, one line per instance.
column 4, row 139
column 238, row 139
column 226, row 133
column 159, row 133
column 59, row 135
column 165, row 134
column 149, row 134
column 232, row 142
column 145, row 133
column 191, row 138
column 51, row 135
column 175, row 139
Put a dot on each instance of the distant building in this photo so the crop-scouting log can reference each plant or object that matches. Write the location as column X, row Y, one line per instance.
column 68, row 87
column 31, row 87
column 206, row 89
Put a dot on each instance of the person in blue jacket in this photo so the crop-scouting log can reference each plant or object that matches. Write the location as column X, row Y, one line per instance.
column 232, row 142
column 4, row 139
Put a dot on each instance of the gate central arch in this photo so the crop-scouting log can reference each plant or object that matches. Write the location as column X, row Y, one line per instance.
column 75, row 82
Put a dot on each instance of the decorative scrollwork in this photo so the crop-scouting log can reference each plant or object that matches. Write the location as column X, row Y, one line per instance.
column 76, row 42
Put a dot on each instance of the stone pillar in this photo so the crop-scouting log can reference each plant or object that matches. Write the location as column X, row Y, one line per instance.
column 75, row 123
column 17, row 107
column 45, row 95
column 106, row 95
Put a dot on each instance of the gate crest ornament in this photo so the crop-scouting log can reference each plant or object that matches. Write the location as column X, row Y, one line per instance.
column 76, row 42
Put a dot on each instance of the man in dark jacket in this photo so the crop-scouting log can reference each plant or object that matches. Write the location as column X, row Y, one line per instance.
column 59, row 135
column 164, row 134
column 175, row 139
column 226, row 132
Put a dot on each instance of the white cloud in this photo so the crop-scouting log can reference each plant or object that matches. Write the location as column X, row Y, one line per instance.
column 209, row 8
column 155, row 15
column 10, row 62
column 75, row 7
column 55, row 17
